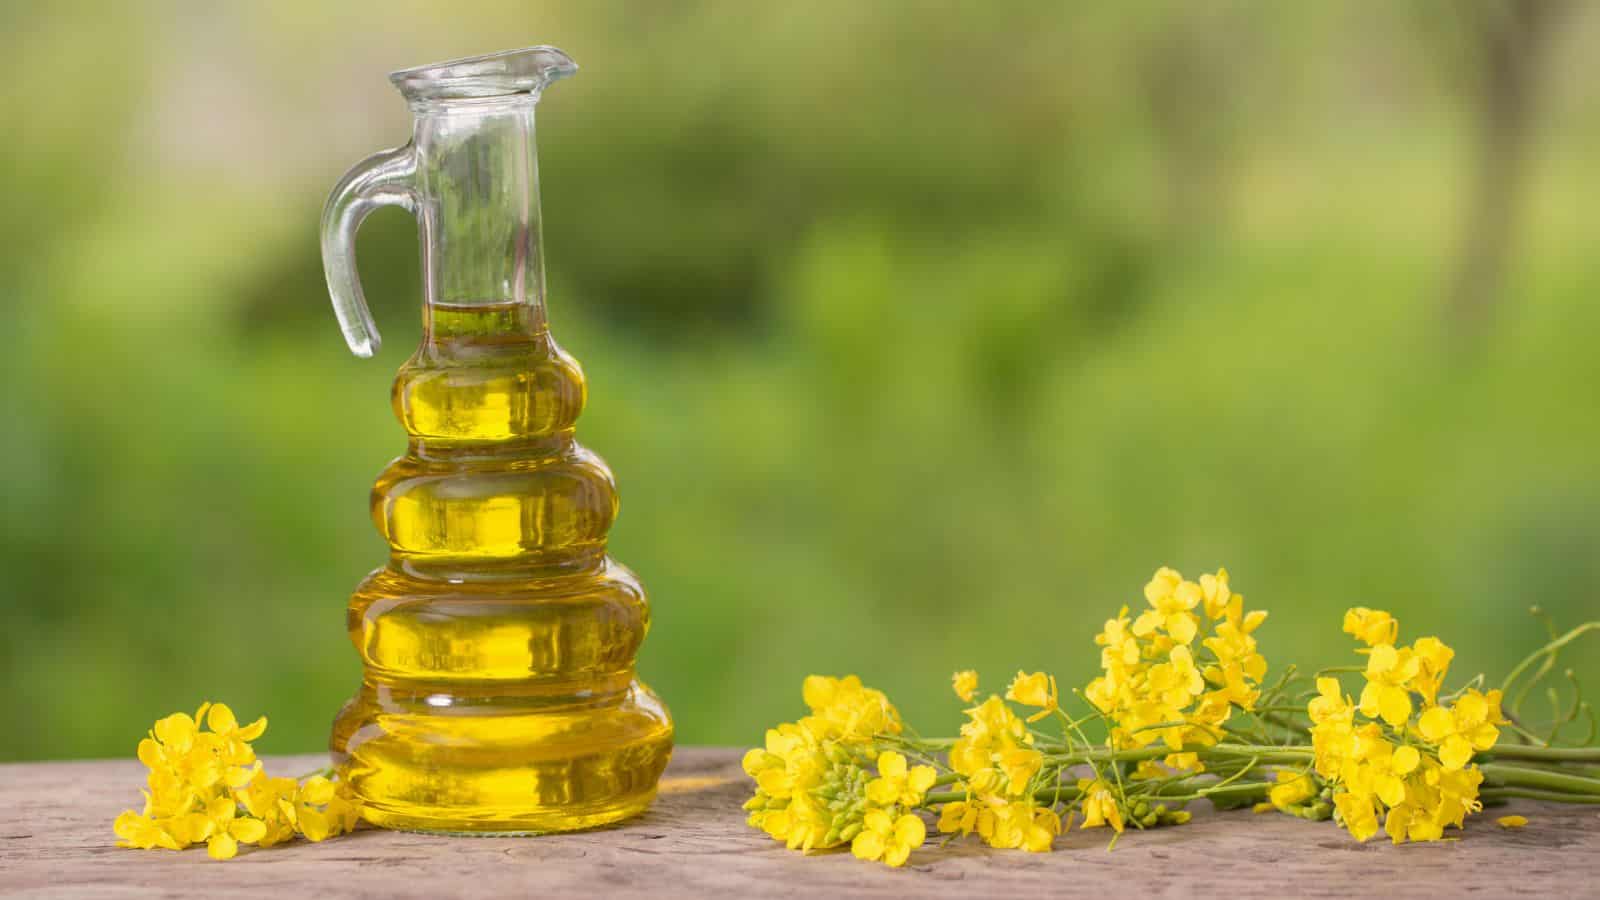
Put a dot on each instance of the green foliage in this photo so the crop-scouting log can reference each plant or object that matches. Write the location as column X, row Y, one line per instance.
column 915, row 344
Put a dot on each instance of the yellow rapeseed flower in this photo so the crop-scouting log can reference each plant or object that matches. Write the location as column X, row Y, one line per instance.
column 1378, row 766
column 888, row 839
column 1371, row 626
column 1433, row 658
column 324, row 809
column 1463, row 728
column 1387, row 694
column 965, row 684
column 1121, row 647
column 994, row 752
column 226, row 831
column 1019, row 824
column 1171, row 599
column 206, row 785
column 272, row 801
column 143, row 832
column 1099, row 805
column 1357, row 814
column 1292, row 789
column 1215, row 593
column 1037, row 689
column 958, row 817
column 844, row 709
column 896, row 783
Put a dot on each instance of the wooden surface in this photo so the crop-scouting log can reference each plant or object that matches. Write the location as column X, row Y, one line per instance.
column 56, row 841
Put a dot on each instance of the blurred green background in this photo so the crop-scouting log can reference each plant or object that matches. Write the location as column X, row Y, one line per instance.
column 918, row 334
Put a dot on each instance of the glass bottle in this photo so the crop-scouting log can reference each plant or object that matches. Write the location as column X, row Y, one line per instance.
column 499, row 693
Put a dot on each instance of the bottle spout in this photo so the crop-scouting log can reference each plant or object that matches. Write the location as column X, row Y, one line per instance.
column 525, row 71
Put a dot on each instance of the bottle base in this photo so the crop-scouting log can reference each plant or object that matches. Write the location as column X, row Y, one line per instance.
column 449, row 822
column 501, row 767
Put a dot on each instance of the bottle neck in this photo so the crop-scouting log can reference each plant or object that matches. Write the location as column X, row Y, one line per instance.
column 478, row 197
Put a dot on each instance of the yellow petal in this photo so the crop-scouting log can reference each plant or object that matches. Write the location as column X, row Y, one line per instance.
column 1182, row 627
column 128, row 826
column 1511, row 821
column 150, row 753
column 1471, row 708
column 891, row 764
column 878, row 820
column 867, row 845
column 1382, row 659
column 1146, row 623
column 1392, row 791
column 239, row 776
column 222, row 846
column 1369, row 700
column 221, row 809
column 896, row 855
column 1405, row 760
column 314, row 825
column 1455, row 752
column 1395, row 706
column 253, row 730
column 221, row 718
column 1253, row 620
column 176, row 731
column 248, row 831
column 1435, row 723
column 910, row 831
column 1484, row 736
column 317, row 790
column 922, row 778
column 882, row 791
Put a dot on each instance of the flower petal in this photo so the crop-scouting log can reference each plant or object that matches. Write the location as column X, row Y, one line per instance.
column 1405, row 760
column 221, row 719
column 1435, row 723
column 868, row 845
column 222, row 846
column 891, row 764
column 248, row 831
column 910, row 830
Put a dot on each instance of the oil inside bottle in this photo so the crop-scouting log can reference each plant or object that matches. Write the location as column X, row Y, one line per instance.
column 499, row 693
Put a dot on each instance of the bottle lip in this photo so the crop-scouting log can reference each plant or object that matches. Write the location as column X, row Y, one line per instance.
column 525, row 71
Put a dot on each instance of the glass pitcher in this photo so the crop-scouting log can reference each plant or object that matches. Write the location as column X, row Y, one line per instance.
column 499, row 693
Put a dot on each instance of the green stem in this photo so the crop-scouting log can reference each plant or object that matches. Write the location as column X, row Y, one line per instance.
column 1503, row 793
column 1238, row 792
column 1544, row 754
column 1519, row 776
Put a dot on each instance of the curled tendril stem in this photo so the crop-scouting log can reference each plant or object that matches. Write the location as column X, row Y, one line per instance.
column 1545, row 658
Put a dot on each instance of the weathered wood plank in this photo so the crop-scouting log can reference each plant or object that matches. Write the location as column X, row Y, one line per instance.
column 55, row 841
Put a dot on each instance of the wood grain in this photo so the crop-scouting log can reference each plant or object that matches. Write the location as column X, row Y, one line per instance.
column 56, row 841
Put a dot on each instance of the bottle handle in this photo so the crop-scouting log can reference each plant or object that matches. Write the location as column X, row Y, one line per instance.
column 382, row 179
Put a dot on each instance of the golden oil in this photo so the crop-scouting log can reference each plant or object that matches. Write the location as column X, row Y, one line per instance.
column 499, row 693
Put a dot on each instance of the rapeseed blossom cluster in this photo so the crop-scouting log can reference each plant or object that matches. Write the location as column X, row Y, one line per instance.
column 1158, row 686
column 1401, row 755
column 205, row 785
column 999, row 768
column 1182, row 710
column 814, row 790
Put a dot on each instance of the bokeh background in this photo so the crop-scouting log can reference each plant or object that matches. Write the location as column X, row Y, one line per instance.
column 919, row 334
